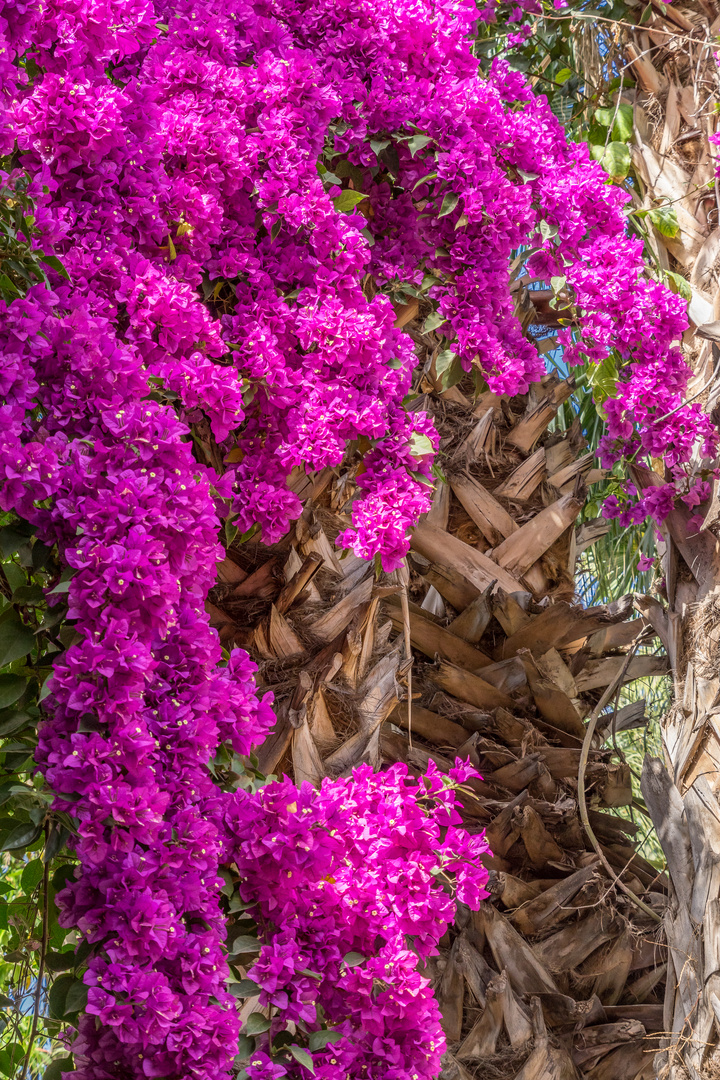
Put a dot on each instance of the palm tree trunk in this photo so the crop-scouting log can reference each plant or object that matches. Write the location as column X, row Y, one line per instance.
column 675, row 113
column 561, row 974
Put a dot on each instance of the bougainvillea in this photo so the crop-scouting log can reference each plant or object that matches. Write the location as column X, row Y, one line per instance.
column 241, row 196
column 345, row 885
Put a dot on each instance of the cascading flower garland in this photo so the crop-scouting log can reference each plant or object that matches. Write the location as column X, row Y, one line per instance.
column 240, row 193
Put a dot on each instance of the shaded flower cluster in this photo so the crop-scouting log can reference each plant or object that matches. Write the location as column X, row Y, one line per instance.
column 348, row 886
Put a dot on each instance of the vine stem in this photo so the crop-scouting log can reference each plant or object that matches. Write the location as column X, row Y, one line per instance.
column 41, row 966
column 582, row 801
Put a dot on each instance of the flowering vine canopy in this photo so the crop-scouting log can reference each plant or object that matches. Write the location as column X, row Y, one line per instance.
column 212, row 212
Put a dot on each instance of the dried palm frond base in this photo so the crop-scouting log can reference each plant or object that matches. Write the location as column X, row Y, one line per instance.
column 559, row 974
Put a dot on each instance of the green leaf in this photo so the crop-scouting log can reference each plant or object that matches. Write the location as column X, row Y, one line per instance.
column 352, row 959
column 418, row 142
column 11, row 688
column 31, row 876
column 13, row 722
column 348, row 199
column 256, row 1024
column 562, row 76
column 245, row 1047
column 603, row 380
column 245, row 988
column 16, row 639
column 54, row 263
column 60, row 961
column 58, row 993
column 623, row 126
column 604, row 116
column 678, row 284
column 420, row 445
column 547, row 231
column 319, row 1039
column 665, row 220
column 449, row 203
column 432, row 322
column 10, row 1057
column 245, row 943
column 617, row 161
column 21, row 836
column 56, row 1068
column 558, row 283
column 302, row 1057
column 76, row 998
column 29, row 595
column 424, row 179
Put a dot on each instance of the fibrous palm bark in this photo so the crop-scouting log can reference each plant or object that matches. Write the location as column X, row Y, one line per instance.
column 675, row 111
column 561, row 974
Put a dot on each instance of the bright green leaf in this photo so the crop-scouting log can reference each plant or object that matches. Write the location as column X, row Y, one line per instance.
column 665, row 220
column 616, row 161
column 348, row 199
column 623, row 126
column 678, row 284
column 562, row 76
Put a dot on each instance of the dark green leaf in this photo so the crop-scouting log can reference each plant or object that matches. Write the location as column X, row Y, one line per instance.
column 418, row 142
column 76, row 998
column 14, row 721
column 32, row 876
column 352, row 959
column 303, row 1058
column 30, row 595
column 247, row 988
column 56, row 1068
column 432, row 322
column 16, row 639
column 245, row 1047
column 21, row 836
column 246, row 944
column 11, row 688
column 58, row 993
column 319, row 1039
column 449, row 203
column 60, row 961
column 256, row 1024
column 55, row 264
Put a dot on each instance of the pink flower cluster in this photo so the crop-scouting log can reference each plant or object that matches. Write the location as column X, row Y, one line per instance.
column 348, row 888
